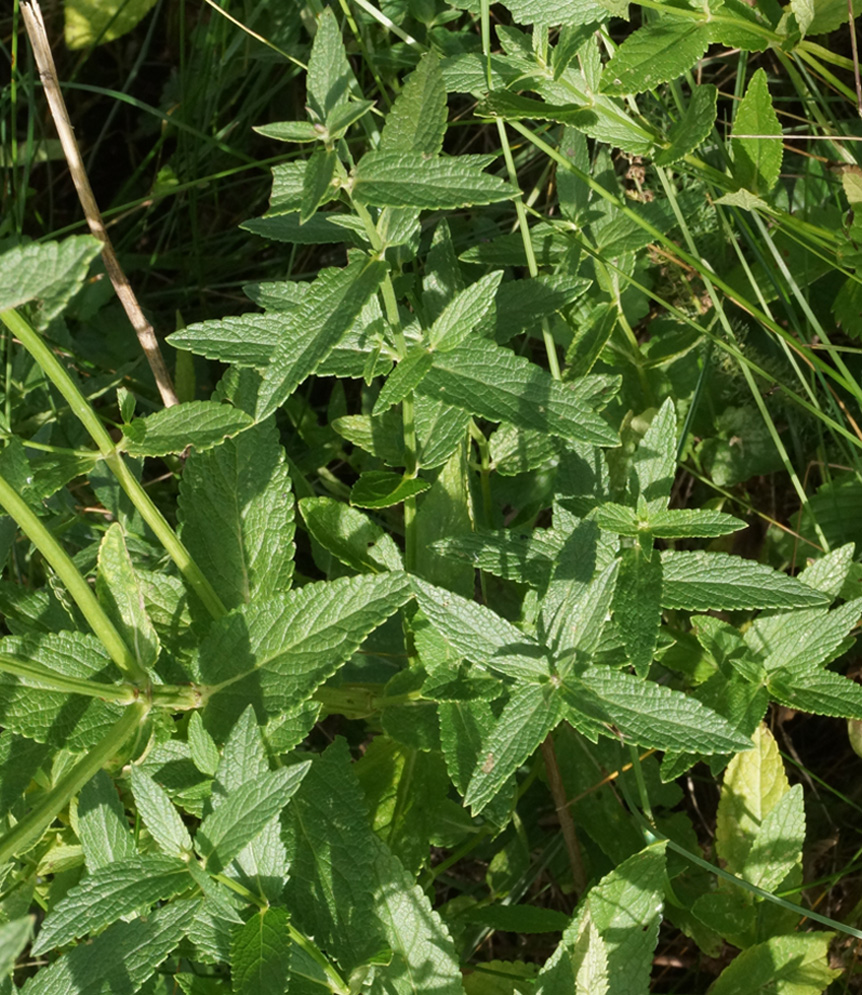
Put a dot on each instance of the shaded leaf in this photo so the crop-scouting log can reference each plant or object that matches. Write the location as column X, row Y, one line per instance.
column 236, row 509
column 409, row 179
column 202, row 424
column 702, row 581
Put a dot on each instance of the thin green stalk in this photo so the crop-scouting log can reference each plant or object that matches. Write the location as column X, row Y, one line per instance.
column 726, row 346
column 411, row 466
column 37, row 675
column 80, row 590
column 641, row 783
column 520, row 209
column 31, row 827
column 677, row 252
column 653, row 836
column 53, row 369
column 757, row 397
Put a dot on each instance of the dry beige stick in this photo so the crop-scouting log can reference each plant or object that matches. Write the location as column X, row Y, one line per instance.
column 47, row 71
column 564, row 813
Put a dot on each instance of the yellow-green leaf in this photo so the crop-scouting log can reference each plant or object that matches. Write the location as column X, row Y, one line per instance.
column 94, row 22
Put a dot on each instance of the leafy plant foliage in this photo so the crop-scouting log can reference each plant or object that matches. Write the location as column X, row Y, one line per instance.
column 166, row 798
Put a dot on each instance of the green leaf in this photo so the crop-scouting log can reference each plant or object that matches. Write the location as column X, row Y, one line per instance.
column 530, row 714
column 650, row 714
column 445, row 510
column 702, row 581
column 656, row 53
column 87, row 24
column 236, row 509
column 519, row 304
column 67, row 722
column 464, row 312
column 526, row 558
column 202, row 424
column 261, row 866
column 754, row 783
column 247, row 339
column 290, row 131
column 317, row 186
column 332, row 852
column 204, row 752
column 119, row 960
column 403, row 379
column 519, row 918
column 757, row 156
column 260, row 954
column 517, row 450
column 515, row 107
column 416, row 122
column 795, row 964
column 330, row 307
column 809, row 688
column 601, row 117
column 342, row 117
column 805, row 638
column 480, row 635
column 350, row 535
column 244, row 813
column 14, row 937
column 160, row 817
column 381, row 489
column 829, row 15
column 406, row 790
column 329, row 75
column 685, row 523
column 442, row 277
column 580, row 556
column 50, row 272
column 654, row 461
column 20, row 760
column 637, row 606
column 243, row 758
column 493, row 382
column 692, row 128
column 409, row 179
column 625, row 907
column 576, row 631
column 424, row 958
column 380, row 435
column 320, row 230
column 274, row 654
column 464, row 726
column 590, row 959
column 847, row 306
column 441, row 429
column 102, row 826
column 557, row 11
column 619, row 519
column 777, row 847
column 109, row 893
column 122, row 597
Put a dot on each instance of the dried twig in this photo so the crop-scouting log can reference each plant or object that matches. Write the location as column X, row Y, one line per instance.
column 35, row 26
column 564, row 814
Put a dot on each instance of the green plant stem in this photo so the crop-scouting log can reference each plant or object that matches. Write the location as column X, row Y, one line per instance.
column 76, row 585
column 653, row 836
column 408, row 418
column 520, row 209
column 40, row 676
column 53, row 369
column 31, row 827
column 679, row 253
